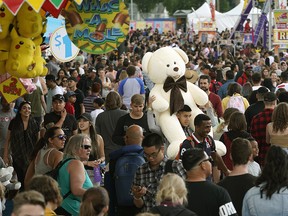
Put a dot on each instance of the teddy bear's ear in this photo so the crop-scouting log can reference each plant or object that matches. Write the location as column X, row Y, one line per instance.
column 145, row 61
column 182, row 54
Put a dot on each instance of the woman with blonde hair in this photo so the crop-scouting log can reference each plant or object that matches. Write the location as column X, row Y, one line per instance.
column 95, row 202
column 73, row 178
column 277, row 130
column 171, row 196
column 49, row 188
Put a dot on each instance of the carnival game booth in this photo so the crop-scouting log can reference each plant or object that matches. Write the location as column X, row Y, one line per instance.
column 90, row 25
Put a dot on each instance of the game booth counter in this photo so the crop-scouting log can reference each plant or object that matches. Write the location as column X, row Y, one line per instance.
column 93, row 26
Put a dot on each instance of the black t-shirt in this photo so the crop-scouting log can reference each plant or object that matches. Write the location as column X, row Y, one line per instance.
column 172, row 211
column 207, row 199
column 237, row 186
column 69, row 124
column 124, row 122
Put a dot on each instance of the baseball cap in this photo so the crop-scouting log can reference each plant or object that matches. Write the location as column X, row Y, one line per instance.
column 262, row 90
column 58, row 97
column 270, row 97
column 85, row 116
column 91, row 69
column 50, row 77
column 70, row 93
column 73, row 79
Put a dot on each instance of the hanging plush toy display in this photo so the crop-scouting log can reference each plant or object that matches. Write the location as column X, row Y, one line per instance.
column 19, row 55
column 6, row 20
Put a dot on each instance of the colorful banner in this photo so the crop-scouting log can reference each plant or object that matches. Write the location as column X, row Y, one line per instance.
column 54, row 7
column 12, row 89
column 97, row 27
column 163, row 26
column 281, row 19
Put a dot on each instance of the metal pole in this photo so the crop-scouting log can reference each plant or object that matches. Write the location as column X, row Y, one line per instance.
column 270, row 26
column 132, row 10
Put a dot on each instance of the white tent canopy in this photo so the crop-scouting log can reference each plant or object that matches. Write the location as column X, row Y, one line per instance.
column 223, row 20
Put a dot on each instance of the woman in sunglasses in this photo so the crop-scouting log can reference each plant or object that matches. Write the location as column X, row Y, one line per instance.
column 97, row 156
column 73, row 178
column 46, row 155
column 22, row 135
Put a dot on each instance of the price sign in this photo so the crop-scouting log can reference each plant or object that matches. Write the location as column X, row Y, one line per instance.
column 61, row 46
column 12, row 89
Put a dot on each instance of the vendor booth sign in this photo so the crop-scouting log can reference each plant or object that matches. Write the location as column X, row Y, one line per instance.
column 280, row 36
column 97, row 26
column 12, row 89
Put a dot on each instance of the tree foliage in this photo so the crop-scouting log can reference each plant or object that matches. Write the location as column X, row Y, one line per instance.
column 173, row 5
column 146, row 6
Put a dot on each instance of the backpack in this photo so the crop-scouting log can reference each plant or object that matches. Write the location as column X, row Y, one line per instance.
column 236, row 101
column 215, row 86
column 125, row 169
column 55, row 172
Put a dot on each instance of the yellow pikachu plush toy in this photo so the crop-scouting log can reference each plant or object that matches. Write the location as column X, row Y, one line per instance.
column 6, row 19
column 21, row 61
column 29, row 23
column 41, row 69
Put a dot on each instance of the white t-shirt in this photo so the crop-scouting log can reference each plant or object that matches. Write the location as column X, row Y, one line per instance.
column 254, row 168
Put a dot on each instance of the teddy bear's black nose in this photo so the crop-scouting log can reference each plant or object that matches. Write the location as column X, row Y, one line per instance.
column 176, row 69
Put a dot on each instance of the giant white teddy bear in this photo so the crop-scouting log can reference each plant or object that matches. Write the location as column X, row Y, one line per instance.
column 166, row 68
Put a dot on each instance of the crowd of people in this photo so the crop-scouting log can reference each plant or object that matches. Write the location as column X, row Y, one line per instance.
column 91, row 113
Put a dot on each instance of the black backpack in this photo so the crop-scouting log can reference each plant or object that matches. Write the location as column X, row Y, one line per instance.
column 55, row 173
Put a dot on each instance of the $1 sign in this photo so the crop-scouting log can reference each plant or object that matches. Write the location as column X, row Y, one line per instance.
column 61, row 46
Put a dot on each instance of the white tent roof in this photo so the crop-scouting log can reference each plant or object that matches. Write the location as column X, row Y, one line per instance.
column 223, row 20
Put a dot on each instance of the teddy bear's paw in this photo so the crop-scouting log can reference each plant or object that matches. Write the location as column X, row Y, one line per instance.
column 5, row 177
column 173, row 149
column 13, row 186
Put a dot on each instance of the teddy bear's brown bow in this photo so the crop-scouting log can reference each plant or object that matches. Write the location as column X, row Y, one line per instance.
column 176, row 99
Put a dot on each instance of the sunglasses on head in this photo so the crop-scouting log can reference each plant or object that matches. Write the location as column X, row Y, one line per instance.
column 86, row 147
column 60, row 136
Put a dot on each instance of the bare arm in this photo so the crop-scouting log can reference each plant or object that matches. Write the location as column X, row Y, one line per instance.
column 43, row 103
column 101, row 148
column 6, row 147
column 220, row 163
column 54, row 158
column 82, row 108
column 43, row 85
column 62, row 119
column 77, row 177
column 29, row 174
column 268, row 127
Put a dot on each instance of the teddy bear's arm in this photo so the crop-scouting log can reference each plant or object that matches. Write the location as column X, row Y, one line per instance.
column 160, row 104
column 199, row 96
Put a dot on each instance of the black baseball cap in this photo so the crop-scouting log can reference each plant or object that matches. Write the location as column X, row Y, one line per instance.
column 85, row 116
column 58, row 97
